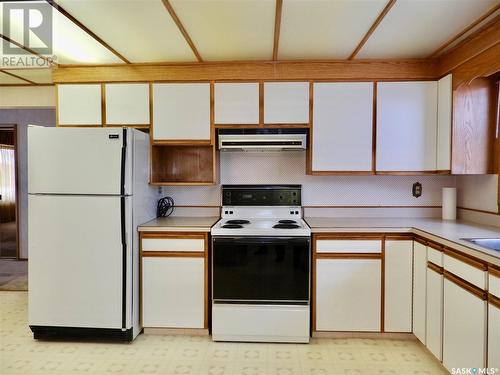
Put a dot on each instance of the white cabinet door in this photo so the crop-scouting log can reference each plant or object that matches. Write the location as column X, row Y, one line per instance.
column 127, row 103
column 342, row 127
column 398, row 286
column 444, row 121
column 434, row 321
column 406, row 126
column 181, row 111
column 173, row 292
column 419, row 289
column 464, row 328
column 79, row 104
column 286, row 102
column 236, row 103
column 348, row 294
column 493, row 336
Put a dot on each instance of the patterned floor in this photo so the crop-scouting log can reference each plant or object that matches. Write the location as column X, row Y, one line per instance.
column 155, row 354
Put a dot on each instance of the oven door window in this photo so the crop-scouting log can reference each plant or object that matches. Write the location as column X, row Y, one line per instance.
column 261, row 269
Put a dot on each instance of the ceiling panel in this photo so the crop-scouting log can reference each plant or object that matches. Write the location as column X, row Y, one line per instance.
column 6, row 79
column 319, row 29
column 35, row 75
column 417, row 28
column 229, row 29
column 140, row 30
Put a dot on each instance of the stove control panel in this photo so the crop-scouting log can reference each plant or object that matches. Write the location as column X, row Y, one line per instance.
column 261, row 195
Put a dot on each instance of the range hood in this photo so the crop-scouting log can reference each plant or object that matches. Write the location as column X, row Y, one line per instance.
column 262, row 139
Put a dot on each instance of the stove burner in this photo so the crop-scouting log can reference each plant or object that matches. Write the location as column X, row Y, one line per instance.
column 286, row 226
column 287, row 221
column 237, row 221
column 232, row 226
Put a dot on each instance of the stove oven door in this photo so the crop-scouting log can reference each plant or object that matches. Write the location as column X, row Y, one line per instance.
column 261, row 270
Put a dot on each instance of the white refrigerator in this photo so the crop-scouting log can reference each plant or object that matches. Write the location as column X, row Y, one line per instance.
column 88, row 191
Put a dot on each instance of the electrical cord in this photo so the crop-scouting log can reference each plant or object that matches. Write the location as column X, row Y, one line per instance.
column 165, row 207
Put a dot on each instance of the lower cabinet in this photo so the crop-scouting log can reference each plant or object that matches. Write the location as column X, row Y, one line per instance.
column 398, row 285
column 434, row 310
column 494, row 319
column 464, row 329
column 348, row 294
column 174, row 280
column 419, row 289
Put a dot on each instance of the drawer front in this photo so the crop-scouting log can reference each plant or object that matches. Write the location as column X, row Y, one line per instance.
column 465, row 271
column 435, row 256
column 173, row 244
column 348, row 246
column 494, row 285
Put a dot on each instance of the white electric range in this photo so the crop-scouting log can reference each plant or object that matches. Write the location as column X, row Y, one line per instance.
column 261, row 266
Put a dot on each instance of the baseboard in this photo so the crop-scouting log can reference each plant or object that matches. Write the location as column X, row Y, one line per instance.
column 364, row 335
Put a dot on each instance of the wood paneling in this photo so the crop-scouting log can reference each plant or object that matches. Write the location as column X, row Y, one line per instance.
column 182, row 165
column 474, row 127
column 357, row 70
column 277, row 28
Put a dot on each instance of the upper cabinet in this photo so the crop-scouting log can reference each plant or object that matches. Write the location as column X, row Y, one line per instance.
column 407, row 126
column 286, row 103
column 181, row 111
column 127, row 103
column 79, row 104
column 237, row 103
column 342, row 127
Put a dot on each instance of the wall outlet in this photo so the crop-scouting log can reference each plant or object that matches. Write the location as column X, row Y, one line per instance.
column 417, row 189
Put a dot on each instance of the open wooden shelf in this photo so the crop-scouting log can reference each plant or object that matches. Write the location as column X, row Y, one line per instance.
column 183, row 165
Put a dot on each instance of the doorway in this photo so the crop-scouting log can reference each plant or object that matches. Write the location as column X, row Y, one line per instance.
column 9, row 233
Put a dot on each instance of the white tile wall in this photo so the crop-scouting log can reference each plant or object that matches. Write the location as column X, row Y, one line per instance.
column 289, row 167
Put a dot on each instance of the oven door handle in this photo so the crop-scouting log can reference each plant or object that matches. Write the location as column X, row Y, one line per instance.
column 259, row 240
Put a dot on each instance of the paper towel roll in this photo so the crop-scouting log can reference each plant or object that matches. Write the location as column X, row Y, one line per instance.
column 449, row 203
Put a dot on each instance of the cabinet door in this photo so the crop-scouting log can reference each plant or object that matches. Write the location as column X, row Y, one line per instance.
column 286, row 102
column 398, row 286
column 434, row 321
column 419, row 289
column 493, row 336
column 406, row 126
column 127, row 103
column 342, row 127
column 181, row 111
column 444, row 119
column 236, row 103
column 79, row 105
column 464, row 328
column 173, row 292
column 348, row 294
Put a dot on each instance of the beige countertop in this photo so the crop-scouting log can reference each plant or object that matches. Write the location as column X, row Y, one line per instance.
column 179, row 224
column 448, row 233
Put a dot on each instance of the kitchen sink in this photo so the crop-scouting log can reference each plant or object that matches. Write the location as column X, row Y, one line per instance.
column 489, row 243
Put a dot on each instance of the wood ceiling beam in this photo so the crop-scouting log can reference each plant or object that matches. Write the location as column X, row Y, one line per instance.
column 450, row 41
column 18, row 77
column 277, row 28
column 181, row 28
column 372, row 29
column 69, row 16
column 475, row 44
column 356, row 70
column 17, row 44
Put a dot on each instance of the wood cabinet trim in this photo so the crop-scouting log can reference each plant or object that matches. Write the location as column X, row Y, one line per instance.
column 435, row 267
column 174, row 235
column 494, row 300
column 466, row 259
column 435, row 246
column 494, row 270
column 420, row 240
column 399, row 237
column 173, row 254
column 478, row 292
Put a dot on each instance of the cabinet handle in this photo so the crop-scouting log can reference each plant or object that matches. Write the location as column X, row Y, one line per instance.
column 478, row 292
column 494, row 300
column 435, row 268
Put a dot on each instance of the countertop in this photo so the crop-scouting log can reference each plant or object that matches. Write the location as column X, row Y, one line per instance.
column 179, row 224
column 448, row 233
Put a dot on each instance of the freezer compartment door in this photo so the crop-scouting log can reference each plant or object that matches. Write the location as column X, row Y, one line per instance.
column 79, row 161
column 75, row 266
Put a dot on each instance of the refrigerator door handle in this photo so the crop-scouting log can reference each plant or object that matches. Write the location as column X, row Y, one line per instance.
column 123, row 231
